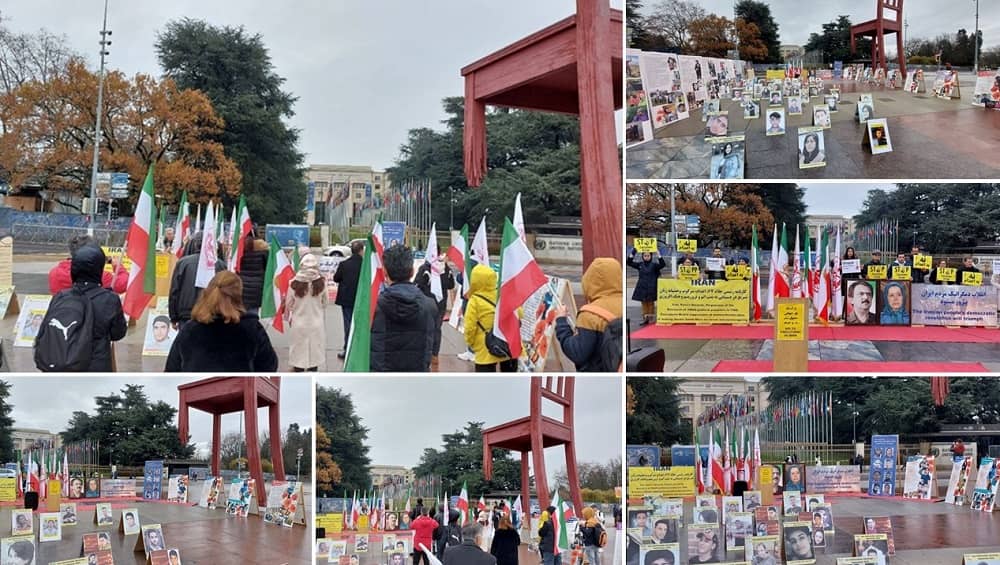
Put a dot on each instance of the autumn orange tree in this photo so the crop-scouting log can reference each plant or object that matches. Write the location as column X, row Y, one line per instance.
column 47, row 142
column 715, row 36
column 328, row 473
column 727, row 211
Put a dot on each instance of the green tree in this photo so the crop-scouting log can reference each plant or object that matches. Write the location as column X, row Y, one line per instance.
column 655, row 416
column 834, row 44
column 347, row 437
column 894, row 404
column 295, row 439
column 945, row 217
column 460, row 460
column 6, row 423
column 786, row 201
column 535, row 153
column 131, row 427
column 759, row 13
column 234, row 69
column 635, row 24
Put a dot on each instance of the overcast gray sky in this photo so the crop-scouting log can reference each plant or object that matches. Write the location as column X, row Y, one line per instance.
column 844, row 199
column 404, row 415
column 48, row 403
column 365, row 72
column 927, row 18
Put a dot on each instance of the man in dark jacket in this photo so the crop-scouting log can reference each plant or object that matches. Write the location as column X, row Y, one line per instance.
column 469, row 552
column 423, row 282
column 447, row 535
column 967, row 267
column 876, row 260
column 87, row 269
column 183, row 292
column 346, row 278
column 417, row 509
column 402, row 335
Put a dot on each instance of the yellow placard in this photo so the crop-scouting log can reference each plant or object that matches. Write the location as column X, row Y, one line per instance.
column 877, row 272
column 791, row 321
column 923, row 261
column 901, row 273
column 737, row 272
column 687, row 245
column 645, row 244
column 333, row 522
column 772, row 74
column 162, row 265
column 947, row 274
column 117, row 254
column 688, row 273
column 665, row 481
column 8, row 489
column 702, row 302
column 972, row 279
column 977, row 558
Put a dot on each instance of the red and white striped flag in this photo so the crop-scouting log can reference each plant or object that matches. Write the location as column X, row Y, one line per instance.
column 777, row 285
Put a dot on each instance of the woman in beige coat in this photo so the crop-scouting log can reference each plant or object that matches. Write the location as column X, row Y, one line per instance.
column 305, row 305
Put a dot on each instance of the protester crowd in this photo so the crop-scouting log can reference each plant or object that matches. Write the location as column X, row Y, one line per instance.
column 219, row 327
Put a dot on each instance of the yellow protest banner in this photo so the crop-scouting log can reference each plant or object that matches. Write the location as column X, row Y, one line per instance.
column 901, row 273
column 972, row 279
column 791, row 320
column 688, row 273
column 8, row 489
column 333, row 522
column 947, row 274
column 737, row 272
column 877, row 272
column 687, row 245
column 162, row 265
column 702, row 301
column 672, row 482
column 645, row 244
column 765, row 476
column 772, row 74
column 923, row 261
column 116, row 254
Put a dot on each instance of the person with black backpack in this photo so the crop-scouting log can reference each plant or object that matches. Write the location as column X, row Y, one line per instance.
column 82, row 321
column 596, row 345
column 594, row 536
column 448, row 535
column 490, row 351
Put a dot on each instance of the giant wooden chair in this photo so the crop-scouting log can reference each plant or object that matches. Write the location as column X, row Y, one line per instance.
column 532, row 434
column 878, row 28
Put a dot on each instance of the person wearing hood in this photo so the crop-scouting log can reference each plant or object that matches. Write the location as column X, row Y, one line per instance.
column 305, row 312
column 591, row 532
column 547, row 538
column 253, row 266
column 183, row 292
column 402, row 333
column 221, row 335
column 61, row 279
column 479, row 314
column 423, row 282
column 346, row 277
column 87, row 272
column 602, row 288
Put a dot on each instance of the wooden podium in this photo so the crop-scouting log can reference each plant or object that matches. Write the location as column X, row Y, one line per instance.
column 791, row 335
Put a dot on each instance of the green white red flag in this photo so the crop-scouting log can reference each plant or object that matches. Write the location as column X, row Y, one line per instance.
column 277, row 277
column 520, row 277
column 141, row 250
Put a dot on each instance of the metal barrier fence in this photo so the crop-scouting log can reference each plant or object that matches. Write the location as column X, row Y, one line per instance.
column 38, row 234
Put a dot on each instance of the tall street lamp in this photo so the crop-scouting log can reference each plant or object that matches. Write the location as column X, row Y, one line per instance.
column 97, row 127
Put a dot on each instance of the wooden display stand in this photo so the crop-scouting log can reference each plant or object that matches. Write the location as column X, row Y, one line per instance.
column 791, row 335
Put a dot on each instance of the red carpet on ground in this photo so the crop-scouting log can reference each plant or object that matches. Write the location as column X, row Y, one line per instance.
column 739, row 366
column 832, row 333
